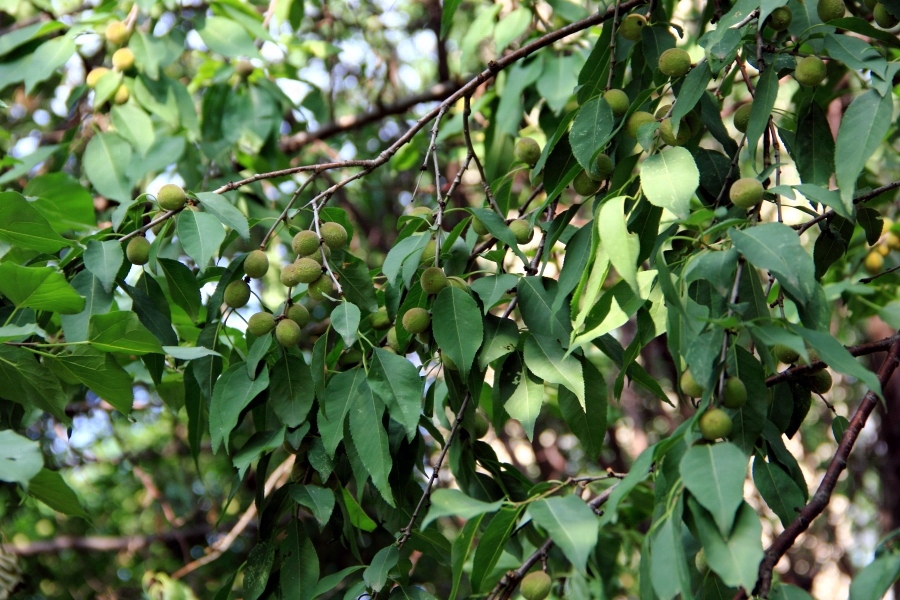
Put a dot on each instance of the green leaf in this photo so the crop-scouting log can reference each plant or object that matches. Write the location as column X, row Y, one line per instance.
column 183, row 287
column 134, row 125
column 453, row 503
column 456, row 324
column 591, row 130
column 23, row 226
column 357, row 516
column 639, row 471
column 784, row 591
column 558, row 79
column 669, row 180
column 778, row 490
column 50, row 488
column 233, row 392
column 501, row 337
column 396, row 382
column 41, row 288
column 104, row 259
column 621, row 246
column 62, row 200
column 257, row 568
column 201, row 234
column 356, row 283
column 340, row 395
column 345, row 319
column 261, row 442
column 763, row 103
column 28, row 382
column 98, row 371
column 546, row 359
column 588, row 423
column 299, row 562
column 106, row 161
column 20, row 458
column 291, row 391
column 462, row 551
column 735, row 557
column 537, row 297
column 376, row 575
column 121, row 331
column 524, row 404
column 319, row 500
column 220, row 207
column 864, row 124
column 96, row 300
column 876, row 578
column 48, row 57
column 227, row 38
column 714, row 474
column 450, row 7
column 329, row 582
column 814, row 146
column 370, row 439
column 839, row 358
column 571, row 524
column 18, row 333
column 492, row 545
column 669, row 572
column 838, row 426
column 498, row 228
column 776, row 248
column 692, row 89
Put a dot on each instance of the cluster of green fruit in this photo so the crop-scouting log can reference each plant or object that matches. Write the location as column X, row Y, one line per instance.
column 889, row 240
column 313, row 252
column 818, row 381
column 170, row 197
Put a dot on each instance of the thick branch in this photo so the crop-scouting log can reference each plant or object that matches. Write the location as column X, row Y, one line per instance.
column 823, row 495
column 103, row 543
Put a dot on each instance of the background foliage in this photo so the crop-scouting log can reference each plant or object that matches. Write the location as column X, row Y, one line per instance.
column 149, row 444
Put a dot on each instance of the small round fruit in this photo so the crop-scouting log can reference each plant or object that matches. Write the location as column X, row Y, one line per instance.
column 237, row 294
column 433, row 280
column 416, row 320
column 256, row 265
column 892, row 241
column 287, row 333
column 392, row 341
column 883, row 17
column 882, row 249
column 94, row 76
column 780, row 18
column 380, row 320
column 448, row 362
column 261, row 323
column 604, row 167
column 742, row 117
column 674, row 63
column 482, row 425
column 171, row 197
column 874, row 262
column 138, row 250
column 334, row 235
column 458, row 282
column 305, row 242
column 243, row 68
column 527, row 150
column 122, row 95
column 425, row 216
column 308, row 270
column 700, row 562
column 320, row 254
column 820, row 381
column 122, row 59
column 288, row 276
column 298, row 314
column 618, row 101
column 810, row 71
column 785, row 354
column 522, row 230
column 535, row 586
column 689, row 385
column 667, row 133
column 829, row 10
column 634, row 122
column 428, row 253
column 583, row 185
column 746, row 192
column 735, row 393
column 116, row 32
column 714, row 424
column 478, row 227
column 320, row 288
column 631, row 27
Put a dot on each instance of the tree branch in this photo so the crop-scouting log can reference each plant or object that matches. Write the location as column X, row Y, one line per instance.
column 103, row 543
column 857, row 200
column 860, row 350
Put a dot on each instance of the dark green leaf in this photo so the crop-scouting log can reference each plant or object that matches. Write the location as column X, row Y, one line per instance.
column 50, row 488
column 778, row 490
column 233, row 392
column 396, row 382
column 714, row 474
column 291, row 391
column 863, row 126
column 26, row 381
column 376, row 575
column 98, row 371
column 491, row 546
column 23, row 226
column 201, row 234
column 41, row 288
column 456, row 324
column 571, row 524
column 776, row 247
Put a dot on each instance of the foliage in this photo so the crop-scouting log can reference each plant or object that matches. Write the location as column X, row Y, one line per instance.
column 437, row 436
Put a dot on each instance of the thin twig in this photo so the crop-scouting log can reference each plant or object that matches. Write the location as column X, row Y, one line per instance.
column 467, row 110
column 859, row 350
column 856, row 200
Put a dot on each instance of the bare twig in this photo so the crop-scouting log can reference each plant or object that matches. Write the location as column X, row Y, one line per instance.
column 467, row 110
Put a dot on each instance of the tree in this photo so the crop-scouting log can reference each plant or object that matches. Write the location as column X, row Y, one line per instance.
column 293, row 304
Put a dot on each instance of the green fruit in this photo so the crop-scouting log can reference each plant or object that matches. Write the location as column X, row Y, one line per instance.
column 780, row 18
column 320, row 288
column 428, row 253
column 714, row 424
column 237, row 294
column 171, row 197
column 535, row 586
column 883, row 17
column 631, row 26
column 334, row 235
column 138, row 250
column 350, row 358
column 527, row 150
column 522, row 229
column 746, row 192
column 308, row 270
column 392, row 341
column 742, row 117
column 289, row 277
column 583, row 186
column 424, row 215
column 261, row 323
column 810, row 71
column 785, row 354
column 256, row 265
column 447, row 362
column 735, row 393
column 634, row 122
column 478, row 227
column 305, row 243
column 433, row 280
column 820, row 381
column 380, row 320
column 870, row 4
column 122, row 95
column 458, row 282
column 416, row 320
column 689, row 385
column 829, row 10
column 618, row 101
column 320, row 254
column 287, row 333
column 674, row 63
column 603, row 167
column 482, row 425
column 243, row 68
column 700, row 562
column 298, row 314
column 122, row 59
column 666, row 132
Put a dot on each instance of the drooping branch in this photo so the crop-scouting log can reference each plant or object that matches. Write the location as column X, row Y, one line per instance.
column 822, row 497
